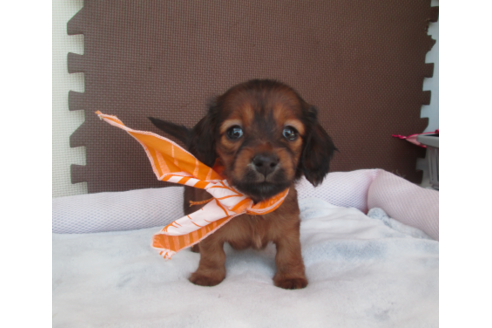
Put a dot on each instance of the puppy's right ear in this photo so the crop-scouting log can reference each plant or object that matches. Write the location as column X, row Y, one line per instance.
column 202, row 140
column 180, row 132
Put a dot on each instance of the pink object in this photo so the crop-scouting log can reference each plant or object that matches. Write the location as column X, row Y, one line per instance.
column 413, row 137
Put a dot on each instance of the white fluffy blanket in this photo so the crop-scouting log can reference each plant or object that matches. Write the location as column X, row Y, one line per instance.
column 363, row 271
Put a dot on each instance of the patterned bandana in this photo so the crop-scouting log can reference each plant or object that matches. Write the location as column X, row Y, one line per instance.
column 172, row 163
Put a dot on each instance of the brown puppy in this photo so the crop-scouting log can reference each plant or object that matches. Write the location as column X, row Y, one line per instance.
column 266, row 137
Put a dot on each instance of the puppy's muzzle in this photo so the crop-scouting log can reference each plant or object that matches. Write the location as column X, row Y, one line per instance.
column 265, row 163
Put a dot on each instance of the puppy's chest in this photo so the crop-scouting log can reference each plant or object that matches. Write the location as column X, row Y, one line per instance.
column 259, row 231
column 249, row 231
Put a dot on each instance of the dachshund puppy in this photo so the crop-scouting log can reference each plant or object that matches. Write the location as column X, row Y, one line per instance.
column 266, row 137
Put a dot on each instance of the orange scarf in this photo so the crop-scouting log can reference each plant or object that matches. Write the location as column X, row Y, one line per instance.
column 172, row 163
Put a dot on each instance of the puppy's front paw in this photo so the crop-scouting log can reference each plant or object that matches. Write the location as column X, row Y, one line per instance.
column 199, row 278
column 290, row 283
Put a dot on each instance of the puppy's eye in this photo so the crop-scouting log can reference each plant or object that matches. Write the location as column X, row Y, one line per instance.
column 234, row 132
column 290, row 133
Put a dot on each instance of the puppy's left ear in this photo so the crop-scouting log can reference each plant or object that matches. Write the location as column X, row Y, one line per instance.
column 317, row 151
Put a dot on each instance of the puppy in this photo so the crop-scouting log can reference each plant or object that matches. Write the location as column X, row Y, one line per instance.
column 266, row 137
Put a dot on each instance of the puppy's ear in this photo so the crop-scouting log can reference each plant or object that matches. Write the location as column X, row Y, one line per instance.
column 317, row 151
column 202, row 140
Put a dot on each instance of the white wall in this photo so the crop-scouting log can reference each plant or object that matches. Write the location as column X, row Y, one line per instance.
column 64, row 122
column 432, row 110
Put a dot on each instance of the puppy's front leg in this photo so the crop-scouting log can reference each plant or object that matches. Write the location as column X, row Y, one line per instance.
column 211, row 270
column 290, row 267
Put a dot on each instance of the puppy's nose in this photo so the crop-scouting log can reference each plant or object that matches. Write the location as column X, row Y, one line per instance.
column 265, row 164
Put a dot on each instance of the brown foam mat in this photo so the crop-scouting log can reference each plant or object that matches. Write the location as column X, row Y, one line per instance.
column 362, row 63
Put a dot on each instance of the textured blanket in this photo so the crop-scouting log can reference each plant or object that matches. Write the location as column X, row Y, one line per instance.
column 363, row 271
